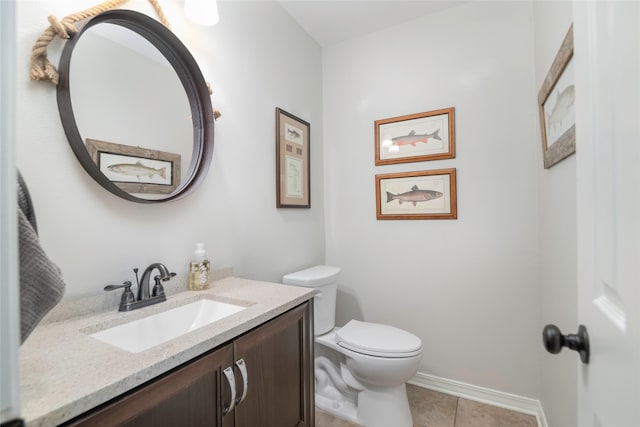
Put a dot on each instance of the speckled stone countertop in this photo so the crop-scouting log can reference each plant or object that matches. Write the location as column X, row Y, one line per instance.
column 64, row 372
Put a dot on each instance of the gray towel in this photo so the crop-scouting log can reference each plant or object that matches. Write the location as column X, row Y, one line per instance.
column 41, row 284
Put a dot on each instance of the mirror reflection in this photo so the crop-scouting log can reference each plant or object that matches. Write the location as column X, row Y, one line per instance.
column 135, row 108
column 131, row 110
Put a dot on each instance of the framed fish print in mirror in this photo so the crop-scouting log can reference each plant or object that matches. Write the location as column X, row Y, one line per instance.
column 556, row 104
column 136, row 169
column 416, row 137
column 417, row 195
column 293, row 188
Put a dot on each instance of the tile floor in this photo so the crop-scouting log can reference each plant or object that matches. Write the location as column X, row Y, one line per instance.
column 432, row 409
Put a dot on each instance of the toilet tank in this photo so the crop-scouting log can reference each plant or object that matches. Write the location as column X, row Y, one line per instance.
column 324, row 279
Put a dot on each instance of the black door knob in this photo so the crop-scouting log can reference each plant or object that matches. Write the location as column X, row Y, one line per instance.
column 554, row 341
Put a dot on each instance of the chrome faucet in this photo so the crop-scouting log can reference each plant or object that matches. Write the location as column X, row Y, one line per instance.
column 128, row 301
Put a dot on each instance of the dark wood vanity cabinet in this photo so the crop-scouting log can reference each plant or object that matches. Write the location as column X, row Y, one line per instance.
column 278, row 356
column 191, row 395
column 279, row 361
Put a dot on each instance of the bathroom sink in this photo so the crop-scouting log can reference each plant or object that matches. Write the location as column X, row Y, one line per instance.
column 141, row 334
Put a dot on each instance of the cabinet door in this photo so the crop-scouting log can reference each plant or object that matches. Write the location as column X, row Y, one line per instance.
column 192, row 395
column 278, row 357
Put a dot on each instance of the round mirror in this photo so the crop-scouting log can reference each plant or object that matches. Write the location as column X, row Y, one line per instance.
column 135, row 107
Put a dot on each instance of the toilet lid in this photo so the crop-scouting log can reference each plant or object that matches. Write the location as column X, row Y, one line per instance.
column 378, row 340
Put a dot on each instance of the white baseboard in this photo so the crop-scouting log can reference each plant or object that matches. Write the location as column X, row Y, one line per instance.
column 483, row 395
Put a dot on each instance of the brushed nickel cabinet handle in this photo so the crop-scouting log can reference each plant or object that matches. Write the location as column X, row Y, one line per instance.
column 245, row 379
column 231, row 379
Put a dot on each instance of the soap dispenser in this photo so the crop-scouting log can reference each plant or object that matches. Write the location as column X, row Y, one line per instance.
column 199, row 269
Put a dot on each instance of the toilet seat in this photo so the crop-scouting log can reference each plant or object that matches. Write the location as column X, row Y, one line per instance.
column 374, row 339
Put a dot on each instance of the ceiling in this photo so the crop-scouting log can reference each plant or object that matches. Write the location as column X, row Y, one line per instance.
column 334, row 21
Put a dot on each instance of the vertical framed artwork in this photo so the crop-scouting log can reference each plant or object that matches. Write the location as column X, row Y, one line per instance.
column 292, row 161
column 427, row 194
column 556, row 105
column 416, row 137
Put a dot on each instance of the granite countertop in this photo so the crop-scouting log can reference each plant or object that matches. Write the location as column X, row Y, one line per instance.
column 64, row 372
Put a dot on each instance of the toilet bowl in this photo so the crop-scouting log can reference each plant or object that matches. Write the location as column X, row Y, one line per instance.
column 360, row 368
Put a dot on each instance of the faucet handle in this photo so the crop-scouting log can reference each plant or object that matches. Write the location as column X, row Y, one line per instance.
column 127, row 295
column 166, row 278
column 126, row 285
column 158, row 290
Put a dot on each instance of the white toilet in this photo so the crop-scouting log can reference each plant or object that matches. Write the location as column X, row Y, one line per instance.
column 361, row 368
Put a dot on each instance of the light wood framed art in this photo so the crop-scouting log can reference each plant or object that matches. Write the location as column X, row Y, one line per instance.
column 293, row 187
column 136, row 169
column 556, row 105
column 427, row 194
column 416, row 137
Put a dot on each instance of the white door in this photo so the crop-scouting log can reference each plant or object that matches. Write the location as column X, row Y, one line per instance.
column 9, row 291
column 607, row 71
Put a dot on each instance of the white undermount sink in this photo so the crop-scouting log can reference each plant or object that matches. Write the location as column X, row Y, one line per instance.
column 139, row 335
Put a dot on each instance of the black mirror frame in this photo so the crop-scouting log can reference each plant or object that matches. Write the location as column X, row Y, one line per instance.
column 192, row 80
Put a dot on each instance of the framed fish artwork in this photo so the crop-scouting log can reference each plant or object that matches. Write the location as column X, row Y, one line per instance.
column 416, row 137
column 427, row 194
column 293, row 188
column 136, row 169
column 556, row 100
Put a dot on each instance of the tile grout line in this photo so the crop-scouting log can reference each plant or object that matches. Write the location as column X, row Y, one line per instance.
column 455, row 413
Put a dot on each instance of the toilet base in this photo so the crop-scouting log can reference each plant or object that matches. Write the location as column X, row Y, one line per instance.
column 338, row 408
column 372, row 408
column 384, row 408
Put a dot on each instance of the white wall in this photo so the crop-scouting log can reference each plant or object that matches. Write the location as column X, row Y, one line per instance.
column 467, row 287
column 557, row 195
column 256, row 59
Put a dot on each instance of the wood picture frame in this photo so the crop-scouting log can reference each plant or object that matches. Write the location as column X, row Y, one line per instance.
column 293, row 186
column 136, row 169
column 430, row 194
column 416, row 137
column 556, row 106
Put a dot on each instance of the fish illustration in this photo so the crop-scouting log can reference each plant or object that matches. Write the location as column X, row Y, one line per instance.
column 414, row 196
column 564, row 102
column 293, row 133
column 137, row 169
column 412, row 138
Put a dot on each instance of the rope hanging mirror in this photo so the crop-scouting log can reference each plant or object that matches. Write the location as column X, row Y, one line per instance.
column 140, row 173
